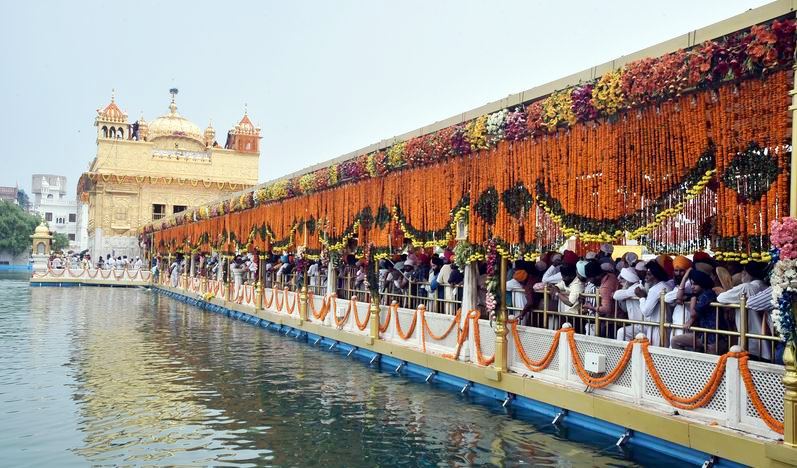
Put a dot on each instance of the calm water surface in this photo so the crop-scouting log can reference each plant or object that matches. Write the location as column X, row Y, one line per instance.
column 96, row 376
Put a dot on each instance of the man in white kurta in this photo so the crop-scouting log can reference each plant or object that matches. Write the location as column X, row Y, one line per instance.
column 628, row 301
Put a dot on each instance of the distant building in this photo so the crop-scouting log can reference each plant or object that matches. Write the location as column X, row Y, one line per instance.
column 9, row 194
column 52, row 181
column 51, row 204
column 145, row 171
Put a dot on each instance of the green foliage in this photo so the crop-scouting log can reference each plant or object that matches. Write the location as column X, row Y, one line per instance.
column 16, row 227
column 60, row 242
column 23, row 199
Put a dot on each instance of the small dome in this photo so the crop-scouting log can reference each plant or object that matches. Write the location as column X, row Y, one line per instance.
column 42, row 230
column 173, row 125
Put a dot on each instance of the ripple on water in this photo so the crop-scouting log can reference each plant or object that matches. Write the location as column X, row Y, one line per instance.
column 122, row 376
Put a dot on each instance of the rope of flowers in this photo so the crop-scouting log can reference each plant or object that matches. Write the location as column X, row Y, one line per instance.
column 765, row 415
column 701, row 398
column 279, row 303
column 289, row 306
column 267, row 302
column 390, row 312
column 104, row 276
column 239, row 294
column 72, row 273
column 542, row 364
column 327, row 303
column 462, row 337
column 477, row 342
column 342, row 321
column 120, row 275
column 50, row 270
column 428, row 330
column 360, row 325
column 411, row 330
column 249, row 292
column 597, row 382
column 96, row 272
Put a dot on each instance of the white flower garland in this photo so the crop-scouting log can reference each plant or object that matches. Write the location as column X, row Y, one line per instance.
column 784, row 288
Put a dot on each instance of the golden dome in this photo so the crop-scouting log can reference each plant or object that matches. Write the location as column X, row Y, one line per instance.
column 41, row 231
column 173, row 125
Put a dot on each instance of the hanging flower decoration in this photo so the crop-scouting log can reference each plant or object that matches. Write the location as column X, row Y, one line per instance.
column 763, row 52
column 518, row 201
column 751, row 172
column 607, row 95
column 487, row 205
column 784, row 277
column 581, row 98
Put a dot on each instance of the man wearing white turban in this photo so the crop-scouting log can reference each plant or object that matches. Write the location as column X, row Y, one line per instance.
column 628, row 301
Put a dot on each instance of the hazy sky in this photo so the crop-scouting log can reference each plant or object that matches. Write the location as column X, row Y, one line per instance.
column 320, row 78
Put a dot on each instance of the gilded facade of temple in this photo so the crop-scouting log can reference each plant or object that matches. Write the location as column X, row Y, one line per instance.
column 144, row 171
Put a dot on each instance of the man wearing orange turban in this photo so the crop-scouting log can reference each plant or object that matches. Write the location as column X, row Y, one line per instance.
column 677, row 298
column 681, row 263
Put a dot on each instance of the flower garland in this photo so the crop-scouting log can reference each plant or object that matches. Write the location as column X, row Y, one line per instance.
column 784, row 277
column 746, row 54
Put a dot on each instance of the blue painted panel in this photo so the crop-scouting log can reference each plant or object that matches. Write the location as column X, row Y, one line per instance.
column 450, row 381
column 488, row 392
column 594, row 424
column 535, row 406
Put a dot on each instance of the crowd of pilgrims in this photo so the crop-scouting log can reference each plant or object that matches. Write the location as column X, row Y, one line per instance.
column 74, row 261
column 574, row 289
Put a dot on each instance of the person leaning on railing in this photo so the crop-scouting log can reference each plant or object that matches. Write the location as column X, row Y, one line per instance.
column 755, row 321
column 567, row 292
column 701, row 313
column 677, row 297
column 602, row 282
column 627, row 300
column 657, row 283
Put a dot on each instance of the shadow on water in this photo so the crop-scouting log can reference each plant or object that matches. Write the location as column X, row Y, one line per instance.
column 123, row 376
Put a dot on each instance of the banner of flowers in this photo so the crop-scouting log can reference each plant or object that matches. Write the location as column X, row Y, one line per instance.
column 692, row 138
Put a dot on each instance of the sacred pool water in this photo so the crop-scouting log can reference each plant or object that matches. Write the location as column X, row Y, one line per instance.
column 124, row 376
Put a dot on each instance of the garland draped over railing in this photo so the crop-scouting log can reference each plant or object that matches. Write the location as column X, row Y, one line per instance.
column 678, row 151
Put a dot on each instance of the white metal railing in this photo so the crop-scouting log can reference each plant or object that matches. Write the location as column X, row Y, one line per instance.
column 682, row 373
column 120, row 276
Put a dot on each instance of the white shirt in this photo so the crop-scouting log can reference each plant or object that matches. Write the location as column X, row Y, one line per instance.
column 552, row 275
column 573, row 292
column 650, row 305
column 628, row 300
column 518, row 293
column 680, row 312
column 754, row 317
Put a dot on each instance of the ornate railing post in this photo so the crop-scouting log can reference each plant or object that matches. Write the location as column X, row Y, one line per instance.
column 500, row 363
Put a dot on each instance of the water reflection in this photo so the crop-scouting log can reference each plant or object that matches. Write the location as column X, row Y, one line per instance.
column 128, row 377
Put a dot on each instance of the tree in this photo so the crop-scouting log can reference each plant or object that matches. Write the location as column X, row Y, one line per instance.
column 23, row 200
column 16, row 227
column 60, row 241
